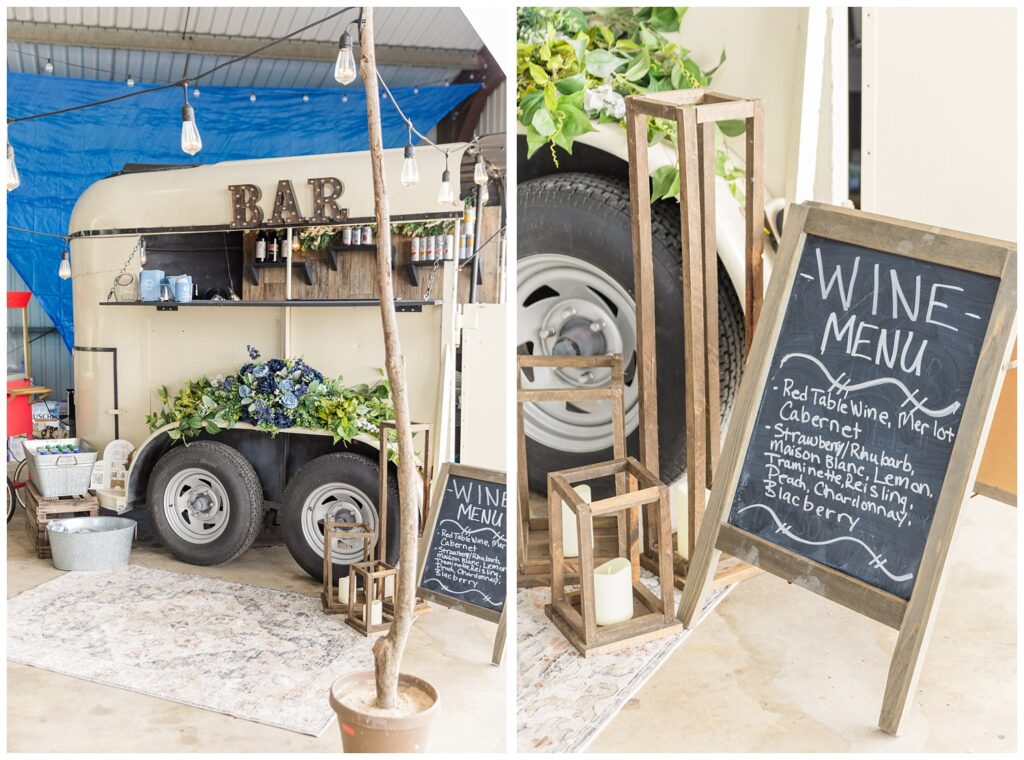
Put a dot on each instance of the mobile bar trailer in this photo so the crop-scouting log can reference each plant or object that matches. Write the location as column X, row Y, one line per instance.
column 208, row 499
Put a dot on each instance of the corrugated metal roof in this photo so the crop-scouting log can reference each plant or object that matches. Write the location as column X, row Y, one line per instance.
column 437, row 28
column 414, row 27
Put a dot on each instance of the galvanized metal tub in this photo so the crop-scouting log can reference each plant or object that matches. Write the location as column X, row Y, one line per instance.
column 91, row 543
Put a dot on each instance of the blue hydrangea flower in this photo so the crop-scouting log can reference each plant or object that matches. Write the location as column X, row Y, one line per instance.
column 253, row 352
column 244, row 391
column 228, row 383
column 275, row 365
column 260, row 370
column 300, row 390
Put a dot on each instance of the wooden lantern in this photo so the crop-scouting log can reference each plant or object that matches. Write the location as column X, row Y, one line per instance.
column 428, row 471
column 695, row 113
column 374, row 575
column 533, row 559
column 574, row 613
column 348, row 531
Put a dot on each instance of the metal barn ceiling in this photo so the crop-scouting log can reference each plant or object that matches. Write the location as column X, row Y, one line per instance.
column 415, row 46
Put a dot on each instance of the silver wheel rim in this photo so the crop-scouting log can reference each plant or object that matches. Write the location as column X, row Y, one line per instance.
column 196, row 505
column 340, row 502
column 553, row 289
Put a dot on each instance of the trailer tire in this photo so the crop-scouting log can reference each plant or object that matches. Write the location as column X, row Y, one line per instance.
column 344, row 486
column 206, row 502
column 578, row 224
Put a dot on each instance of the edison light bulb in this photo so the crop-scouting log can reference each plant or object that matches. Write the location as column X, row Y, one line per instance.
column 252, row 97
column 191, row 142
column 479, row 170
column 195, row 92
column 410, row 172
column 444, row 195
column 305, row 98
column 142, row 251
column 48, row 68
column 13, row 178
column 345, row 66
column 65, row 266
column 131, row 81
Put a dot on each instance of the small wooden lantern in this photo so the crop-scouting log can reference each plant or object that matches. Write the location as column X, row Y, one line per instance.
column 334, row 530
column 574, row 613
column 374, row 575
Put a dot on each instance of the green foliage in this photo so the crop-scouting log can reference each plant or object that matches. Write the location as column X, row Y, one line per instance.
column 575, row 66
column 205, row 405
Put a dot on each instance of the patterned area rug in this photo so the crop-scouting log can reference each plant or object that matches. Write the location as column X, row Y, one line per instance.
column 563, row 700
column 253, row 653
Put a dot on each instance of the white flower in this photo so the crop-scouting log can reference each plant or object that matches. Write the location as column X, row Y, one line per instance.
column 593, row 100
column 218, row 381
column 615, row 105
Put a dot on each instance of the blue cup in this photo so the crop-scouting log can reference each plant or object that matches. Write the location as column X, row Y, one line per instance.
column 183, row 289
column 149, row 284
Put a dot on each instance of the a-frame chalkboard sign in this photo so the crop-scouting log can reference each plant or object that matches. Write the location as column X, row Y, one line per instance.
column 463, row 560
column 860, row 419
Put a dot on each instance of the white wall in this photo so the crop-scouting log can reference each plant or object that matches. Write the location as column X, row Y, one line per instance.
column 939, row 117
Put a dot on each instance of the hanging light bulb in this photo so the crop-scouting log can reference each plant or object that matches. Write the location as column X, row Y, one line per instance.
column 252, row 97
column 479, row 170
column 48, row 68
column 142, row 251
column 410, row 172
column 345, row 66
column 445, row 195
column 415, row 90
column 191, row 142
column 344, row 98
column 65, row 266
column 131, row 81
column 13, row 178
column 195, row 92
column 305, row 98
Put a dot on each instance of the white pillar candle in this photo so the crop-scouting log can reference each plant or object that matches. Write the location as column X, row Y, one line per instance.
column 613, row 592
column 389, row 586
column 570, row 533
column 376, row 612
column 343, row 590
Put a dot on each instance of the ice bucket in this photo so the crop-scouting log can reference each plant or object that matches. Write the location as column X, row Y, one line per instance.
column 91, row 543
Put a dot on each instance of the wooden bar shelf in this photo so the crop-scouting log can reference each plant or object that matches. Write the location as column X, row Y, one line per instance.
column 256, row 266
column 334, row 251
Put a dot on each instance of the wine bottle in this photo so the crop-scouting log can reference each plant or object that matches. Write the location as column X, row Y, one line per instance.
column 272, row 247
column 261, row 246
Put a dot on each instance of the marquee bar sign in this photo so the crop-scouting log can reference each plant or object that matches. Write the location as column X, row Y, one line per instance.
column 861, row 418
column 246, row 210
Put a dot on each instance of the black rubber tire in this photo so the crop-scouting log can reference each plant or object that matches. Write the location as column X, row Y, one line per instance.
column 245, row 496
column 587, row 216
column 348, row 467
column 10, row 500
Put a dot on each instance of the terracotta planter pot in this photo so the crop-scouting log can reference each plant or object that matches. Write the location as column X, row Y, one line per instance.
column 362, row 732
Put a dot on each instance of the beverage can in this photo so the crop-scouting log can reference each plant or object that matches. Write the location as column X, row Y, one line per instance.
column 346, row 236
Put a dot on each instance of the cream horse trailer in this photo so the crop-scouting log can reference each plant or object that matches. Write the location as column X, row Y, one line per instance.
column 208, row 499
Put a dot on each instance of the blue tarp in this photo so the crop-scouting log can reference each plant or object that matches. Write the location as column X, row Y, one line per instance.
column 60, row 156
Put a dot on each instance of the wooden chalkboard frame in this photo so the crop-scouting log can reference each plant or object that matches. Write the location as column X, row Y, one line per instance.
column 913, row 617
column 460, row 605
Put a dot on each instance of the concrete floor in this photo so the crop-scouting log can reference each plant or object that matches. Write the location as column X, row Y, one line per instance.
column 49, row 712
column 778, row 669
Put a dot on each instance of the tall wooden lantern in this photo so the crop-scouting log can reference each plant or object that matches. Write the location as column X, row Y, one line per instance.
column 369, row 616
column 695, row 113
column 428, row 471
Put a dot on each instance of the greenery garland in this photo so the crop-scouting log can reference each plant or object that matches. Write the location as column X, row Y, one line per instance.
column 575, row 66
column 274, row 395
